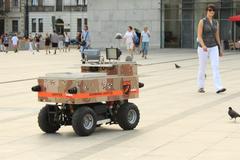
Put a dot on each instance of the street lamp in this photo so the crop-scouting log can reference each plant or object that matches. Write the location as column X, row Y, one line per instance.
column 26, row 19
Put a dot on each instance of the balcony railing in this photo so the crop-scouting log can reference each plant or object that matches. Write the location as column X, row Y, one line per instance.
column 79, row 8
column 41, row 8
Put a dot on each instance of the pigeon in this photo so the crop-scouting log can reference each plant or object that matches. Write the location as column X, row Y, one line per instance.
column 232, row 113
column 177, row 66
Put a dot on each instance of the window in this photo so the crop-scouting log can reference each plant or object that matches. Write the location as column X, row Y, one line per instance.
column 34, row 25
column 1, row 4
column 85, row 21
column 15, row 3
column 15, row 26
column 40, row 2
column 40, row 25
column 78, row 2
column 34, row 2
column 79, row 25
column 84, row 2
column 59, row 5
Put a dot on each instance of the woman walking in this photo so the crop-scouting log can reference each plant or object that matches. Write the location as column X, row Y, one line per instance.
column 128, row 38
column 5, row 42
column 47, row 44
column 66, row 42
column 209, row 40
column 30, row 43
column 145, row 39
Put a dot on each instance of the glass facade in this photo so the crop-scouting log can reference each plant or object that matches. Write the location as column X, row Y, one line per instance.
column 179, row 21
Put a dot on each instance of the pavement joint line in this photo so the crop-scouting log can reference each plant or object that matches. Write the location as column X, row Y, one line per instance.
column 86, row 152
column 14, row 94
column 206, row 149
column 178, row 60
column 179, row 137
column 18, row 80
column 17, row 117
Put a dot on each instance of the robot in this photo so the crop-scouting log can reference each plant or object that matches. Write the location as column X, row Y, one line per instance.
column 97, row 95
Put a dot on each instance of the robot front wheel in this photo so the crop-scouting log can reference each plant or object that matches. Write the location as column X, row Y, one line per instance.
column 84, row 121
column 128, row 116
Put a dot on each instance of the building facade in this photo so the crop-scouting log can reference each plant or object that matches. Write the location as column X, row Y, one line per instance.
column 12, row 13
column 173, row 23
column 108, row 17
column 44, row 16
column 180, row 19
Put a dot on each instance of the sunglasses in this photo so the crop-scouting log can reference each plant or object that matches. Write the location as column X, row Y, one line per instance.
column 211, row 10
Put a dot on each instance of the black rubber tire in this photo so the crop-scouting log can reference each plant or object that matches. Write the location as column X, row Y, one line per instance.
column 78, row 121
column 43, row 121
column 122, row 116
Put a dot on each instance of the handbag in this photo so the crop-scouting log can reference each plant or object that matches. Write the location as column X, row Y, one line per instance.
column 83, row 43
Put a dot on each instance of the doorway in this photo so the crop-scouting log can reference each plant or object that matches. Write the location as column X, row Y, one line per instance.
column 59, row 25
column 1, row 26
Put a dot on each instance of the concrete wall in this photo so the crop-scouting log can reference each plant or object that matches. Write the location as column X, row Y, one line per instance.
column 108, row 17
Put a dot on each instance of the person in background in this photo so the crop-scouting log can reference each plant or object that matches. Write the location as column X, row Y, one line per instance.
column 47, row 44
column 67, row 42
column 15, row 41
column 208, row 41
column 30, row 43
column 37, row 42
column 54, row 40
column 136, row 40
column 85, row 40
column 60, row 42
column 128, row 38
column 144, row 41
column 6, row 42
column 1, row 43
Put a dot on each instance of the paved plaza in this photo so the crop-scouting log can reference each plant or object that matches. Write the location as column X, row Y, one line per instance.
column 176, row 123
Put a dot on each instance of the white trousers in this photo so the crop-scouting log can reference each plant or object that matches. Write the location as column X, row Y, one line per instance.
column 30, row 47
column 213, row 54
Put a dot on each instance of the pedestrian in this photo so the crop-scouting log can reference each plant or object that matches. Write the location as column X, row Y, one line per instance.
column 6, row 42
column 136, row 41
column 60, row 42
column 66, row 41
column 128, row 38
column 54, row 40
column 85, row 40
column 144, row 41
column 47, row 44
column 15, row 42
column 1, row 43
column 208, row 41
column 30, row 44
column 37, row 42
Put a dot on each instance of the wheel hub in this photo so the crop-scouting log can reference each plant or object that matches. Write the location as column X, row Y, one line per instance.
column 132, row 116
column 88, row 121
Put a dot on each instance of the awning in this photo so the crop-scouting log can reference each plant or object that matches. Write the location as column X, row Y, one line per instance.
column 234, row 18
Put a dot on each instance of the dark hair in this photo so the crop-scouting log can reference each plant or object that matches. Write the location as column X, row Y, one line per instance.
column 211, row 6
column 130, row 27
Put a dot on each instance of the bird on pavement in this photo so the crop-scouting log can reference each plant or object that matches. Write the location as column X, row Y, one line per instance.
column 177, row 66
column 232, row 113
